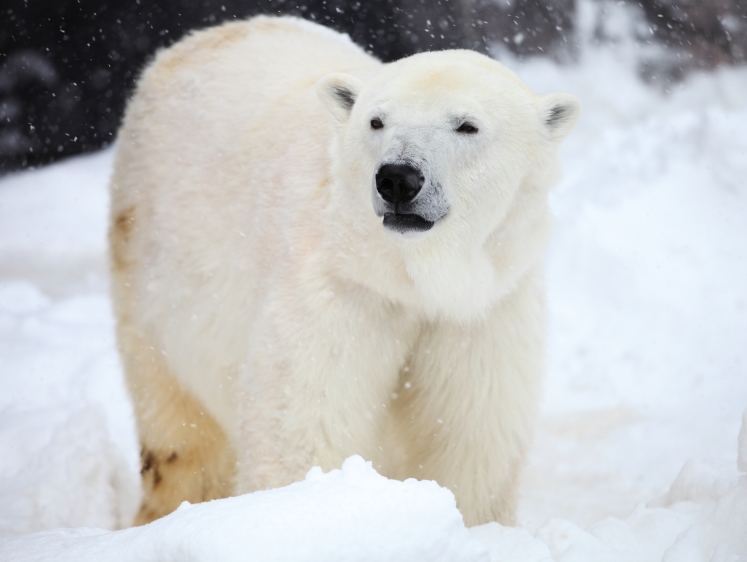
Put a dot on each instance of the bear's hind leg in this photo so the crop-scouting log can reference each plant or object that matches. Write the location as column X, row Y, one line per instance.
column 185, row 453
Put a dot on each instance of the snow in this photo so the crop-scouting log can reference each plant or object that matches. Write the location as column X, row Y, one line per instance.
column 69, row 452
column 647, row 289
column 638, row 454
column 321, row 518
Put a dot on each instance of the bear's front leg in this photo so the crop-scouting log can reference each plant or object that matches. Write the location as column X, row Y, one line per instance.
column 317, row 384
column 467, row 408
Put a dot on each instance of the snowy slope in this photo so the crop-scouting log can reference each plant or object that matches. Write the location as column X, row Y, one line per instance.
column 351, row 514
column 647, row 366
column 647, row 288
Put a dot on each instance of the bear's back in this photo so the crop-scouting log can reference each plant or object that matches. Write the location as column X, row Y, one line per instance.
column 220, row 82
column 279, row 52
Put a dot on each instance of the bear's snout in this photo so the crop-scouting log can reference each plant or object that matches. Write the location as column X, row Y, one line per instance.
column 406, row 200
column 398, row 183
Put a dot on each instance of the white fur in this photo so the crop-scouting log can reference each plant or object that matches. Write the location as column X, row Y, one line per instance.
column 267, row 281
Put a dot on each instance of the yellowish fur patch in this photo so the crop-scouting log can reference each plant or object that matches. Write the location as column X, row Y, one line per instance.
column 185, row 454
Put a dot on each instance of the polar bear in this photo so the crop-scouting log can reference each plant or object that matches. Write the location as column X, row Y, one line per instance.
column 315, row 254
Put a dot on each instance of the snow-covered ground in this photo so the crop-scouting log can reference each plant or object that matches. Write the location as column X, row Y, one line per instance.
column 646, row 380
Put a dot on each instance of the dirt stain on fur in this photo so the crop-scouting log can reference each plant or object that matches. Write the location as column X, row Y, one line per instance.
column 119, row 236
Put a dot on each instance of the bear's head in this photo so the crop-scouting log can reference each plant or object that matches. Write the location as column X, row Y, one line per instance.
column 441, row 150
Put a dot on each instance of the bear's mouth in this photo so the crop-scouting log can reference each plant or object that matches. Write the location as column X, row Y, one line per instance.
column 404, row 223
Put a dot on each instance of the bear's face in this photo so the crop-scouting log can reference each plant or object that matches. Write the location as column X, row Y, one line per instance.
column 438, row 145
column 436, row 134
column 429, row 138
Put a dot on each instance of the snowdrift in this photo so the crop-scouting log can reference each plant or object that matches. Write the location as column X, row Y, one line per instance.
column 351, row 514
column 354, row 514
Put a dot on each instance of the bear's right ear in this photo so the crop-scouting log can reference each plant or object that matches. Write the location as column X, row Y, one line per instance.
column 338, row 92
column 559, row 114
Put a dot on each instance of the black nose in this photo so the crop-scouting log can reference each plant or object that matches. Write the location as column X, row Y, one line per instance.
column 398, row 183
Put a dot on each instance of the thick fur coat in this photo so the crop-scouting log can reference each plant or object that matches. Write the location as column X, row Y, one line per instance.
column 276, row 311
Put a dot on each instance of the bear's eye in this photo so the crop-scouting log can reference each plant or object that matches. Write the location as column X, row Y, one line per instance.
column 467, row 128
column 376, row 123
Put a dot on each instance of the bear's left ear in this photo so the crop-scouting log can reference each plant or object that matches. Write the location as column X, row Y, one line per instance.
column 559, row 113
column 338, row 92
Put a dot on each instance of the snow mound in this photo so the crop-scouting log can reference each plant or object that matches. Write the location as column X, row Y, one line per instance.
column 67, row 441
column 72, row 476
column 53, row 224
column 352, row 514
column 703, row 517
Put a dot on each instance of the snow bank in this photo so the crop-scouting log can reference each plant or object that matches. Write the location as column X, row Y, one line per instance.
column 68, row 451
column 349, row 515
column 73, row 475
column 703, row 517
column 647, row 282
column 354, row 514
column 53, row 225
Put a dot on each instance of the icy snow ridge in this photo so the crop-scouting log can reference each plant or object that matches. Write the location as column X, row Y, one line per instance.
column 351, row 515
column 354, row 514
